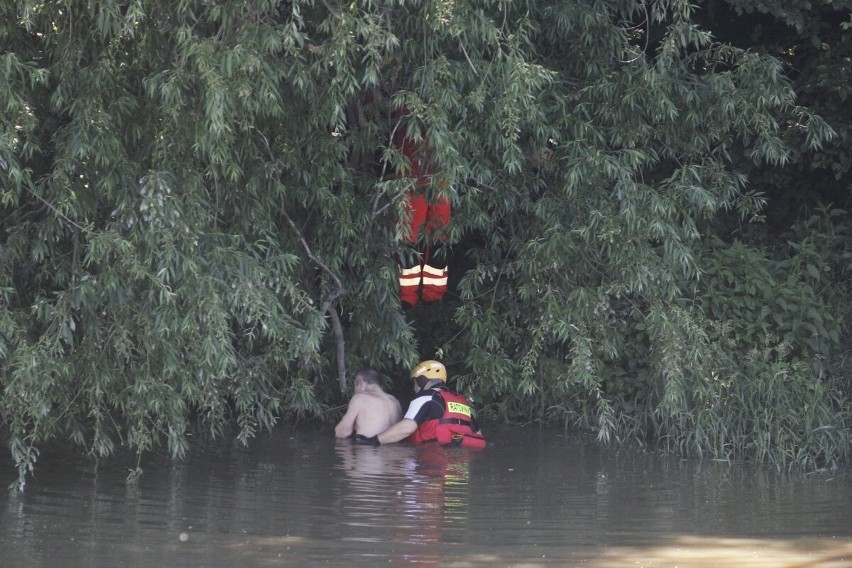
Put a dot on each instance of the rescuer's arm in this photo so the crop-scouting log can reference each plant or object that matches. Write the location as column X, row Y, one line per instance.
column 399, row 431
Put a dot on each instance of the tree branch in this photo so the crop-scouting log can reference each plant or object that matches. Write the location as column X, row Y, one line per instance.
column 334, row 294
column 331, row 9
column 466, row 56
column 311, row 256
column 326, row 305
column 341, row 350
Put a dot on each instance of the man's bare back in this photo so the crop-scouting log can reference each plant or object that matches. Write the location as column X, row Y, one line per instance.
column 371, row 411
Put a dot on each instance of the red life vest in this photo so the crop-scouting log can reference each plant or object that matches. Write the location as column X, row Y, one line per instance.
column 454, row 428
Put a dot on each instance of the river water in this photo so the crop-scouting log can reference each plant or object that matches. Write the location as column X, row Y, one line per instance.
column 297, row 497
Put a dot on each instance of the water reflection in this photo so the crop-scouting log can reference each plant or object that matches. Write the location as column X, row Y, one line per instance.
column 533, row 498
column 419, row 494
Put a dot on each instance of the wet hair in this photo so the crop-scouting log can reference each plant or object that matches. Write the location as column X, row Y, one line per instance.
column 369, row 376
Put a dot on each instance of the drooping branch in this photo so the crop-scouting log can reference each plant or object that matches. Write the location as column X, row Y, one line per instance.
column 376, row 210
column 339, row 290
column 311, row 256
column 326, row 307
column 341, row 350
column 334, row 11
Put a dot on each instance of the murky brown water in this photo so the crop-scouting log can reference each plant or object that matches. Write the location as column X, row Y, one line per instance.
column 533, row 498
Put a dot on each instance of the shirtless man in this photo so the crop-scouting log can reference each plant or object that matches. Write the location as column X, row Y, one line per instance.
column 371, row 410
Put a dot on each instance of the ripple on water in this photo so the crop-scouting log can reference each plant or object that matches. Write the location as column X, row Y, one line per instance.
column 533, row 498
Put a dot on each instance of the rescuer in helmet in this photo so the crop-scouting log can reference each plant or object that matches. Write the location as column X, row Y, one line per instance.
column 435, row 414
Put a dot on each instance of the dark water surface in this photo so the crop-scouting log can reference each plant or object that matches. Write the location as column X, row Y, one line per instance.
column 534, row 498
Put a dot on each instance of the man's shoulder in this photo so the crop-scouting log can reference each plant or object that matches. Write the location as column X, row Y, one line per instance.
column 359, row 398
column 366, row 397
column 391, row 398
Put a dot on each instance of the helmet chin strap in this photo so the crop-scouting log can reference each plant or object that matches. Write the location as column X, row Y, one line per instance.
column 421, row 382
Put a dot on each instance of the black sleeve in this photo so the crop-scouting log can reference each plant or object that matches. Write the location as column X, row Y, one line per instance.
column 428, row 407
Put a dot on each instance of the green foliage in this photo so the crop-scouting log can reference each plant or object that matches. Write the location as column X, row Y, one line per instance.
column 763, row 298
column 599, row 277
column 202, row 209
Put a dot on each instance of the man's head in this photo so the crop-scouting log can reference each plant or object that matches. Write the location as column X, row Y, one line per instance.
column 427, row 372
column 366, row 377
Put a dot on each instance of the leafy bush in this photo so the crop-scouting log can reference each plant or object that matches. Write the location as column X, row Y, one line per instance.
column 201, row 210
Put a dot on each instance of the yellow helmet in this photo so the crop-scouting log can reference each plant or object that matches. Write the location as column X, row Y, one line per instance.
column 432, row 370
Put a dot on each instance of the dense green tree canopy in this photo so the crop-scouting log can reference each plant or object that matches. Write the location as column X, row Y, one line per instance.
column 202, row 213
